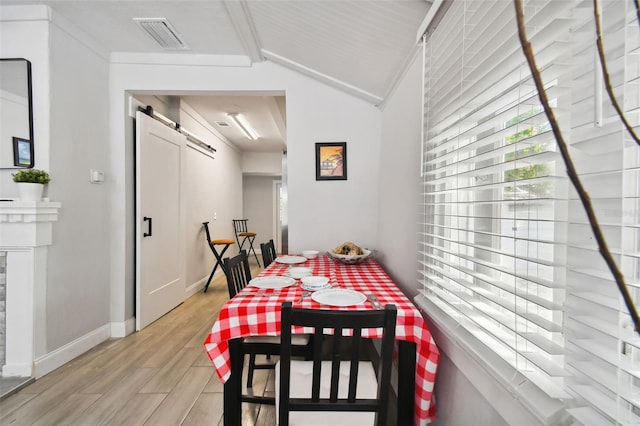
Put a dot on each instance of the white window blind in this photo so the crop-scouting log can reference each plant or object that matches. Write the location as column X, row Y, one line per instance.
column 506, row 247
column 604, row 357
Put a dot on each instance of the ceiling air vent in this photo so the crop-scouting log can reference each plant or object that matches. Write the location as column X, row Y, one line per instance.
column 162, row 32
column 222, row 124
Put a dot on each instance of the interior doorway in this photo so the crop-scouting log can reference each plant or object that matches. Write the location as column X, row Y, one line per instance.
column 205, row 115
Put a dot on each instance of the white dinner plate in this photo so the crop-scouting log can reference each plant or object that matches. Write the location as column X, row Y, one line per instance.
column 315, row 287
column 272, row 282
column 338, row 297
column 291, row 259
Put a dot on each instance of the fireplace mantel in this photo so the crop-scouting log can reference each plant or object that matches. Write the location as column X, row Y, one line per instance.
column 23, row 211
column 26, row 231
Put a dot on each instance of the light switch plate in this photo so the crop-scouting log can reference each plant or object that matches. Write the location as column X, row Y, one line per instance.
column 96, row 176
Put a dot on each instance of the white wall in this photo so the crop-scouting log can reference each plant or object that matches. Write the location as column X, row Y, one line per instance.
column 34, row 35
column 399, row 180
column 324, row 214
column 260, row 171
column 262, row 163
column 79, row 139
column 258, row 202
column 214, row 186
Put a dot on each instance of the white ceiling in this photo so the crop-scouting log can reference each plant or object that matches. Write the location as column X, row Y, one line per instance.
column 359, row 46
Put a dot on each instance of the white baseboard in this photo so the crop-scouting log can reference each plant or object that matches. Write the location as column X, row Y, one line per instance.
column 66, row 353
column 123, row 329
column 17, row 370
column 199, row 285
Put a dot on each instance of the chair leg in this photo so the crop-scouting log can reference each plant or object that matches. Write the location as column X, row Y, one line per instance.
column 252, row 365
column 219, row 261
column 213, row 272
column 206, row 286
column 251, row 249
column 241, row 243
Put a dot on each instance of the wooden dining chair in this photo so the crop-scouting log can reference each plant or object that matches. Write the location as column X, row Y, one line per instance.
column 243, row 235
column 268, row 251
column 238, row 272
column 340, row 391
column 214, row 245
column 238, row 277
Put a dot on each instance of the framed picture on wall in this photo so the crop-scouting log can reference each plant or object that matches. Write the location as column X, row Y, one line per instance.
column 22, row 152
column 331, row 161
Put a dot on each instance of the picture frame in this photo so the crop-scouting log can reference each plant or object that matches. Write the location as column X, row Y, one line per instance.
column 331, row 161
column 22, row 152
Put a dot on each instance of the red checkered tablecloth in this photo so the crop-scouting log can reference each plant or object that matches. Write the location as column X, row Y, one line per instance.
column 256, row 311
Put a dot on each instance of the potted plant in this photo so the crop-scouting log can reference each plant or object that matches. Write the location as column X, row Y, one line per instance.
column 31, row 183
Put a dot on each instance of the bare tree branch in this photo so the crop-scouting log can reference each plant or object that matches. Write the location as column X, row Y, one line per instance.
column 571, row 170
column 605, row 72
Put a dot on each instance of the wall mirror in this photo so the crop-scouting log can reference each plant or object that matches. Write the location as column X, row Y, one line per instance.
column 16, row 114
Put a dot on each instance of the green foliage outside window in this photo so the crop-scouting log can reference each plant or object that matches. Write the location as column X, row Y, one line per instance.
column 532, row 171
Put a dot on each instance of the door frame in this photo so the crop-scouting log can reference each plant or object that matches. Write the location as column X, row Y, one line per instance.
column 277, row 220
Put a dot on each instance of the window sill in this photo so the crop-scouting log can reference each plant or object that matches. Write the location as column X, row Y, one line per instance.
column 510, row 393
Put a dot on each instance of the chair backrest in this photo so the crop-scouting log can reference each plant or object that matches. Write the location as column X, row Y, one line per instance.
column 238, row 272
column 268, row 252
column 240, row 225
column 337, row 321
column 207, row 233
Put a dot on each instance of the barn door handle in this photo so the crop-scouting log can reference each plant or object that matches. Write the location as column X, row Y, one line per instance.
column 150, row 220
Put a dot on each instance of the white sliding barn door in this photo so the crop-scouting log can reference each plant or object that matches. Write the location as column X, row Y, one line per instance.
column 160, row 263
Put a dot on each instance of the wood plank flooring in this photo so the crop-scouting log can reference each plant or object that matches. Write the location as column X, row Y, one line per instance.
column 158, row 376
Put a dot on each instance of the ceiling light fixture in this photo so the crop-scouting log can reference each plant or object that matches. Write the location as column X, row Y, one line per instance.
column 243, row 125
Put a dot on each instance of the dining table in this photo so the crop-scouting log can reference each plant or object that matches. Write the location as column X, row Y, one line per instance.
column 255, row 311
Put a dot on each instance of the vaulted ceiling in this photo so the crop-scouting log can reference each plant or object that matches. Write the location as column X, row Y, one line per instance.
column 359, row 46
